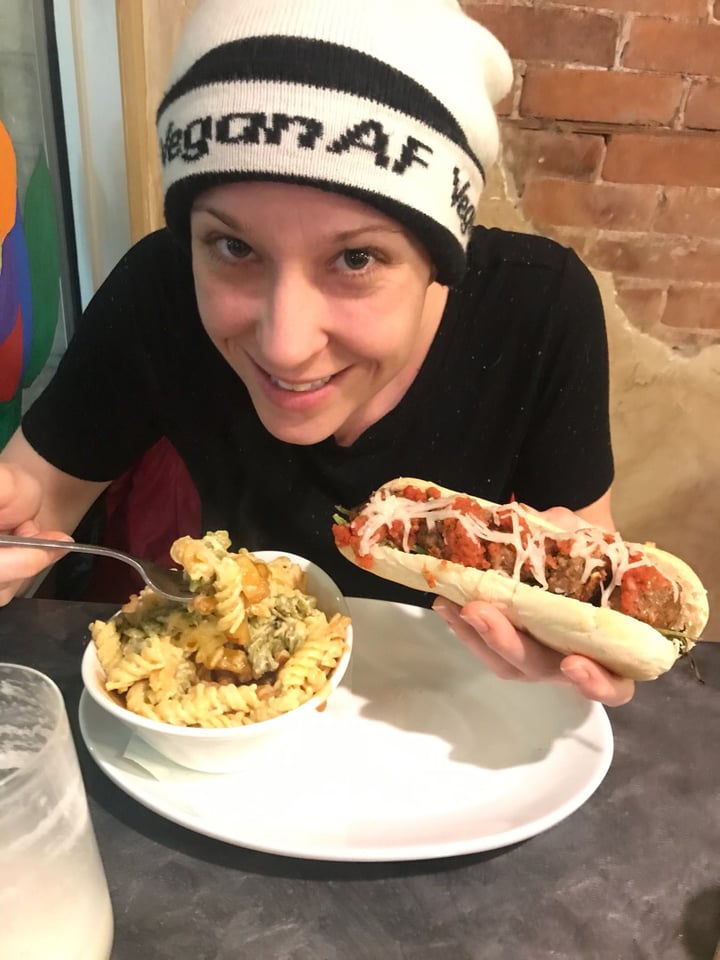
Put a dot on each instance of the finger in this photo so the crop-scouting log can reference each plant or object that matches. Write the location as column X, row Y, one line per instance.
column 20, row 496
column 20, row 563
column 597, row 683
column 560, row 516
column 469, row 636
column 564, row 518
column 27, row 529
column 531, row 658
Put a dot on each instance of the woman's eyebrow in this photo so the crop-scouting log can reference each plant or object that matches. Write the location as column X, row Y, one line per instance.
column 368, row 228
column 225, row 218
column 342, row 237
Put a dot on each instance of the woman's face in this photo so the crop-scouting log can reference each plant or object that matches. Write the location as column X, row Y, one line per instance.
column 324, row 307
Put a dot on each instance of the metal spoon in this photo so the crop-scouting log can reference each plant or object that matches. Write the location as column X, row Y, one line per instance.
column 168, row 583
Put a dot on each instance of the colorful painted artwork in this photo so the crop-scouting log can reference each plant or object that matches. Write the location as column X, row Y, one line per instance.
column 29, row 281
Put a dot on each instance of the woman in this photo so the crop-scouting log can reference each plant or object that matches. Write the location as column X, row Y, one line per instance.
column 321, row 316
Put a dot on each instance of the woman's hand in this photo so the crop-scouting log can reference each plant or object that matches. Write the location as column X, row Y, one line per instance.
column 20, row 500
column 514, row 655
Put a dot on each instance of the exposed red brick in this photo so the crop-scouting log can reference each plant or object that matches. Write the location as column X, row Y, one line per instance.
column 673, row 159
column 551, row 153
column 656, row 259
column 693, row 307
column 689, row 211
column 703, row 106
column 600, row 95
column 505, row 107
column 531, row 33
column 643, row 306
column 673, row 47
column 682, row 9
column 571, row 237
column 606, row 206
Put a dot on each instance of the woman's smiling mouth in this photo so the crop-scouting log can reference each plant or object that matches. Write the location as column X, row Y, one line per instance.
column 297, row 395
column 279, row 386
column 302, row 387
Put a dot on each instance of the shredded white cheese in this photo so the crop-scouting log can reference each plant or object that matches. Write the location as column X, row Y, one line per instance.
column 594, row 546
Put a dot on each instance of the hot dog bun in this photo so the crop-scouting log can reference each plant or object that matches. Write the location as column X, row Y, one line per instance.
column 624, row 645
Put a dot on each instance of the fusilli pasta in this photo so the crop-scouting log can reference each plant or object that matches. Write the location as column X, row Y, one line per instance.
column 251, row 646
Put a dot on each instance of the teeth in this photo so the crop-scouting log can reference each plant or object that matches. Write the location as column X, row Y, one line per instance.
column 300, row 387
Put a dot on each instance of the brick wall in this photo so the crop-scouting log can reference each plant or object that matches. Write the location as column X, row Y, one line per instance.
column 612, row 137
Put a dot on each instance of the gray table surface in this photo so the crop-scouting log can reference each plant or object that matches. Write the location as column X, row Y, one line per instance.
column 634, row 874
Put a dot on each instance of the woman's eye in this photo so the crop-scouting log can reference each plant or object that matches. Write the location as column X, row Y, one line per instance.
column 355, row 260
column 233, row 249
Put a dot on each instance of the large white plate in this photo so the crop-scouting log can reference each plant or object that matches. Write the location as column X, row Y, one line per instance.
column 421, row 753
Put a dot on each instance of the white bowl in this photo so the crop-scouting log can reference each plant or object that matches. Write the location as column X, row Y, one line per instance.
column 226, row 749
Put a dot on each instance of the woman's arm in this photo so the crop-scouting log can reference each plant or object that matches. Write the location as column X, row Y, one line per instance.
column 36, row 499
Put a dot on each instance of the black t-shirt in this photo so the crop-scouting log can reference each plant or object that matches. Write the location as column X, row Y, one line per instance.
column 512, row 400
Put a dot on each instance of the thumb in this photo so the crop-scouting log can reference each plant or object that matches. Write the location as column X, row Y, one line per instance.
column 31, row 529
column 562, row 517
column 27, row 529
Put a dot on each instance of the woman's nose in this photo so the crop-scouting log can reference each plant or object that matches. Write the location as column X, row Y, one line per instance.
column 292, row 326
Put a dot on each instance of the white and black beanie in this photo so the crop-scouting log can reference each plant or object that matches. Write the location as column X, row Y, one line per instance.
column 387, row 101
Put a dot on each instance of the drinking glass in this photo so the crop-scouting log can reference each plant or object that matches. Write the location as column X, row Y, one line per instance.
column 54, row 900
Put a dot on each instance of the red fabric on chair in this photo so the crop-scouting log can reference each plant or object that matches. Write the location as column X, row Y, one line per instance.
column 148, row 507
